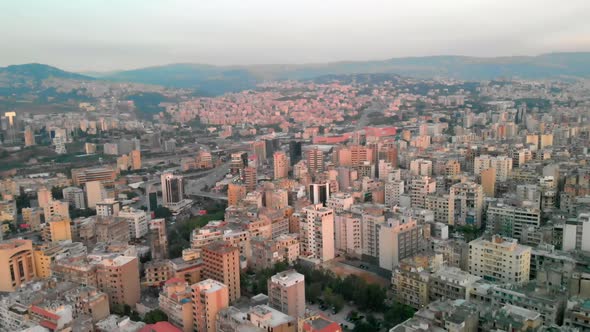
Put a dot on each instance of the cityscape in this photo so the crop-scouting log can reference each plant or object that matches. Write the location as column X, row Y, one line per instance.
column 422, row 193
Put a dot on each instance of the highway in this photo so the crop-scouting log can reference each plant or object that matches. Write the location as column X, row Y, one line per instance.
column 195, row 187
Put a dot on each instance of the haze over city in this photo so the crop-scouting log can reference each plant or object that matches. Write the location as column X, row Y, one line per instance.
column 114, row 35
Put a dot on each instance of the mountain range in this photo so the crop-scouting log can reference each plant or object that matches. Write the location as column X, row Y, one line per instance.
column 214, row 80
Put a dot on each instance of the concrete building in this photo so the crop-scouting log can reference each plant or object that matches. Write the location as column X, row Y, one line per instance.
column 576, row 233
column 280, row 165
column 286, row 293
column 57, row 229
column 56, row 209
column 317, row 232
column 137, row 220
column 399, row 238
column 75, row 197
column 176, row 301
column 421, row 167
column 348, row 236
column 108, row 207
column 209, row 298
column 172, row 188
column 235, row 193
column 17, row 262
column 94, row 193
column 501, row 260
column 450, row 283
column 315, row 160
column 488, row 181
column 467, row 198
column 419, row 188
column 502, row 165
column 118, row 276
column 393, row 190
column 82, row 175
column 258, row 318
column 340, row 202
column 266, row 253
column 222, row 263
column 319, row 193
column 511, row 220
column 410, row 280
column 44, row 196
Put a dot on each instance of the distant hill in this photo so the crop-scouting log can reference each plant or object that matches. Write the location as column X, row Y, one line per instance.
column 38, row 72
column 218, row 79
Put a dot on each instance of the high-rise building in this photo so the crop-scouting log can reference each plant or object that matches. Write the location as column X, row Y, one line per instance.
column 286, row 293
column 118, row 276
column 158, row 239
column 222, row 263
column 488, row 181
column 209, row 298
column 18, row 265
column 235, row 193
column 172, row 188
column 348, row 238
column 135, row 158
column 75, row 197
column 315, row 161
column 500, row 260
column 108, row 207
column 512, row 220
column 295, row 152
column 152, row 199
column 502, row 165
column 57, row 229
column 317, row 232
column 29, row 136
column 467, row 198
column 176, row 301
column 420, row 187
column 137, row 220
column 319, row 193
column 94, row 193
column 272, row 145
column 237, row 163
column 421, row 167
column 82, row 175
column 250, row 178
column 399, row 238
column 44, row 196
column 281, row 165
column 56, row 209
column 259, row 150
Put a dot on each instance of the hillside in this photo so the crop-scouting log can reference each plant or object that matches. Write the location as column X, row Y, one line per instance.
column 218, row 79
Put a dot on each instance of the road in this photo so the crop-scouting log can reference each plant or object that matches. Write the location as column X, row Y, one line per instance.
column 195, row 187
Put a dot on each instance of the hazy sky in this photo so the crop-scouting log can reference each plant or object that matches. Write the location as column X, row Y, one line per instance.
column 122, row 34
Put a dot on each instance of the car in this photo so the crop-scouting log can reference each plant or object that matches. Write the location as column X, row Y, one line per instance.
column 323, row 307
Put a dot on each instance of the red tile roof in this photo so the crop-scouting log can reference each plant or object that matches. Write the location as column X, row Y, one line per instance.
column 160, row 327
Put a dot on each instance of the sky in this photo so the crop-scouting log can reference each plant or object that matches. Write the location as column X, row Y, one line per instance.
column 105, row 35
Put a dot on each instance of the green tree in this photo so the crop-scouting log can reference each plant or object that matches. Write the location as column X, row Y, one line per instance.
column 162, row 212
column 155, row 316
column 313, row 292
column 397, row 314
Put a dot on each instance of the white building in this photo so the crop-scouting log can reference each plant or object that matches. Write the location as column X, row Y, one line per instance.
column 502, row 165
column 348, row 237
column 137, row 220
column 317, row 232
column 500, row 260
column 74, row 196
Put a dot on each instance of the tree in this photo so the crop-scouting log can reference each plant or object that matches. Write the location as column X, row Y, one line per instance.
column 397, row 314
column 162, row 212
column 155, row 316
column 313, row 292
